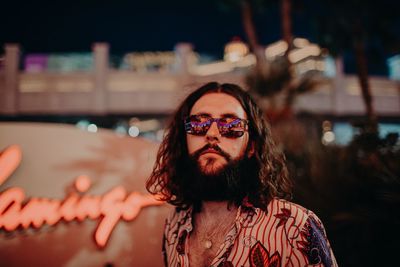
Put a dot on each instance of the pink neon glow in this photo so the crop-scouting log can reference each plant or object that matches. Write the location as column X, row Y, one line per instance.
column 82, row 183
column 10, row 159
column 110, row 208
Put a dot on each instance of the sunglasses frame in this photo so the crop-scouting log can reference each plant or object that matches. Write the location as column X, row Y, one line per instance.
column 210, row 120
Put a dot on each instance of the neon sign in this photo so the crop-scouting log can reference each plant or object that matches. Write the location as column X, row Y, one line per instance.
column 109, row 209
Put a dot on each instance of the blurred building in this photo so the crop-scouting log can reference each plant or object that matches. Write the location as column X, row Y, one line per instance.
column 151, row 84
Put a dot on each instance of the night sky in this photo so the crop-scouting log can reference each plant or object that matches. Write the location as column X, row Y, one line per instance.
column 73, row 26
column 56, row 26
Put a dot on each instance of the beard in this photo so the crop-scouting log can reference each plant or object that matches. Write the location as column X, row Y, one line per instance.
column 231, row 182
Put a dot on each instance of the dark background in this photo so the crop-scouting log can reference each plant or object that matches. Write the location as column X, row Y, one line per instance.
column 73, row 26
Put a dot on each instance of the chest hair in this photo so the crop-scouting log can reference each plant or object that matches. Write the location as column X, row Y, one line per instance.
column 211, row 230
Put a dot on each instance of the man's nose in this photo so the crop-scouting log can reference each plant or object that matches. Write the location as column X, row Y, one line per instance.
column 213, row 133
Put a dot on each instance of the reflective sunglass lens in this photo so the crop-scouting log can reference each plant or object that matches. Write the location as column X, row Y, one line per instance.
column 233, row 134
column 199, row 125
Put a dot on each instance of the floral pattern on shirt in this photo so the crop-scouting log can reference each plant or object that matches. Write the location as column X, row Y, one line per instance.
column 283, row 234
column 259, row 257
column 315, row 245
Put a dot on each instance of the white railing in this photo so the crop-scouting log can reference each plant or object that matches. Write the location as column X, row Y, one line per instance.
column 106, row 90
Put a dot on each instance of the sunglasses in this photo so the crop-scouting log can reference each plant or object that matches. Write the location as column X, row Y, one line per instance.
column 230, row 127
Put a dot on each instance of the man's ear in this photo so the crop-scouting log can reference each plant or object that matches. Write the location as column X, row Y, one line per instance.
column 251, row 150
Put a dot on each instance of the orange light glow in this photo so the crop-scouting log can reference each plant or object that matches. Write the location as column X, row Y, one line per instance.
column 110, row 208
column 10, row 159
column 82, row 183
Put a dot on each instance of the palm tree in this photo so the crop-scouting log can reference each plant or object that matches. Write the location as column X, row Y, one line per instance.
column 269, row 79
column 246, row 8
column 348, row 25
column 286, row 21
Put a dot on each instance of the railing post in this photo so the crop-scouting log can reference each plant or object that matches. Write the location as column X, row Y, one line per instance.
column 11, row 93
column 339, row 87
column 100, row 53
column 183, row 54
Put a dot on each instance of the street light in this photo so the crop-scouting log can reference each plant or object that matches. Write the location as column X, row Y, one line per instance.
column 235, row 50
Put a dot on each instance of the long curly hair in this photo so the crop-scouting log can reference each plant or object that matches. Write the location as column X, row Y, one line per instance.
column 273, row 180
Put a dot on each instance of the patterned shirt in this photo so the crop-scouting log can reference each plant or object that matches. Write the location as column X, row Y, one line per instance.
column 285, row 234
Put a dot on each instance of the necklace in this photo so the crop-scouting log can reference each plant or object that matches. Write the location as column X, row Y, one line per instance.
column 208, row 244
column 212, row 231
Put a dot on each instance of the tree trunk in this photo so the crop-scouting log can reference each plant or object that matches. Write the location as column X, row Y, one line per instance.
column 286, row 21
column 362, row 71
column 249, row 28
column 286, row 9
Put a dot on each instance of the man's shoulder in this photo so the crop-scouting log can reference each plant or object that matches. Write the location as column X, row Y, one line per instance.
column 179, row 215
column 284, row 210
column 279, row 204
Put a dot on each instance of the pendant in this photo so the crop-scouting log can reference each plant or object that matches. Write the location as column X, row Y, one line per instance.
column 208, row 244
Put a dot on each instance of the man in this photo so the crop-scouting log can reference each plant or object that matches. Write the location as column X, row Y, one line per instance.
column 218, row 165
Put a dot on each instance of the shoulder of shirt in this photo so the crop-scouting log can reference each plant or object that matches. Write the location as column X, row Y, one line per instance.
column 176, row 219
column 280, row 207
column 177, row 214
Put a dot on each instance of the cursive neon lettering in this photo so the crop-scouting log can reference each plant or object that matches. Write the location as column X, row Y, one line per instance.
column 109, row 209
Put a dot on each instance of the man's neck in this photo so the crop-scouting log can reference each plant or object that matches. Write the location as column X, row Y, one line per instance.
column 211, row 225
column 215, row 209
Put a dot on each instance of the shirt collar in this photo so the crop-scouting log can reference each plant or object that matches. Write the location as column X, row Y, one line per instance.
column 245, row 217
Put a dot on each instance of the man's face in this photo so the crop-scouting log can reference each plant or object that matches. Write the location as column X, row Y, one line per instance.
column 217, row 105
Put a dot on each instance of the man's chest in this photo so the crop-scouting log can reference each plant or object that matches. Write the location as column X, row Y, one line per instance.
column 254, row 239
column 200, row 257
column 205, row 245
column 247, row 248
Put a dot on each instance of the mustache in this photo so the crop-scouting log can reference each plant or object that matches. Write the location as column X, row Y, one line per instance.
column 217, row 149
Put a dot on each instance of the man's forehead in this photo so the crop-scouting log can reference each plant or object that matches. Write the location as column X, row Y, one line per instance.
column 218, row 105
